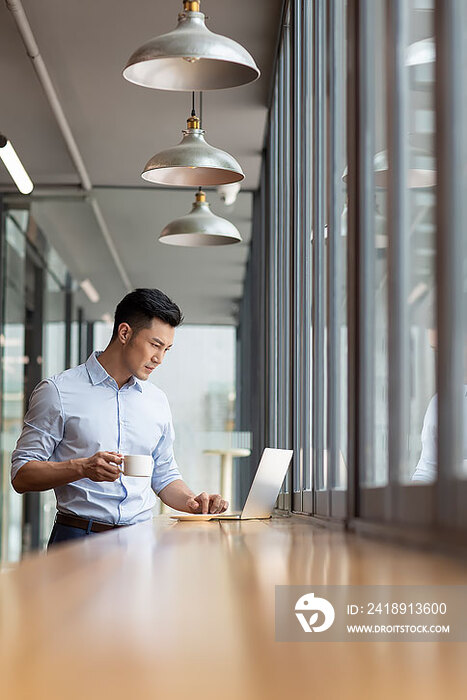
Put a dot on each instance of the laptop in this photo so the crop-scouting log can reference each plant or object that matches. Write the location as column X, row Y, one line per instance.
column 263, row 492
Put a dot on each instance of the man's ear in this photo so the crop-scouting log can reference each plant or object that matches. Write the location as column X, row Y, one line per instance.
column 124, row 333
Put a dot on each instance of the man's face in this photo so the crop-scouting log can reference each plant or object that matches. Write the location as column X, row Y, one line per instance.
column 144, row 350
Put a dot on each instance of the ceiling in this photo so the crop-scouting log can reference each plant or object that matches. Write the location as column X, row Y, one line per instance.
column 207, row 283
column 118, row 126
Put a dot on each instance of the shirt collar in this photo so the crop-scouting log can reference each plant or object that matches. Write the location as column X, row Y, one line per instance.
column 97, row 373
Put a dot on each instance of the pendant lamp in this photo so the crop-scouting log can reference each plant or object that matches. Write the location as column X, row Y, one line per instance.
column 200, row 227
column 192, row 162
column 191, row 57
column 421, row 52
column 421, row 171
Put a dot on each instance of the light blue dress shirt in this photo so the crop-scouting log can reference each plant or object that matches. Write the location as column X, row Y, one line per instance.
column 81, row 411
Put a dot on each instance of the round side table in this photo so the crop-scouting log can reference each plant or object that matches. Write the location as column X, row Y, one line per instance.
column 227, row 456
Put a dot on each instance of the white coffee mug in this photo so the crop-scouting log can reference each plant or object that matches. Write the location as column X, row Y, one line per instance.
column 137, row 465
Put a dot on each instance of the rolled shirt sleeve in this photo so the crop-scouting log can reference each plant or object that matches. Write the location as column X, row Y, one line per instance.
column 165, row 467
column 43, row 427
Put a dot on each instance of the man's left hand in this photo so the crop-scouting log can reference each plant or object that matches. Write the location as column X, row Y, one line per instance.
column 206, row 503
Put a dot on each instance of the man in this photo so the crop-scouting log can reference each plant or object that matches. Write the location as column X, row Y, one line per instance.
column 427, row 467
column 82, row 421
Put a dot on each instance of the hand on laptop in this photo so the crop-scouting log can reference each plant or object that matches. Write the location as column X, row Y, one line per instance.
column 206, row 503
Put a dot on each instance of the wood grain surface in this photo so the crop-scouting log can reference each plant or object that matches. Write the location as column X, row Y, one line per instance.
column 186, row 610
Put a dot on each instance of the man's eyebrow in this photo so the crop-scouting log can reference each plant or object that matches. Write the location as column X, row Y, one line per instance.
column 158, row 340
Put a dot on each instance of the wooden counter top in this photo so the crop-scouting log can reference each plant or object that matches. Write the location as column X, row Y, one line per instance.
column 172, row 610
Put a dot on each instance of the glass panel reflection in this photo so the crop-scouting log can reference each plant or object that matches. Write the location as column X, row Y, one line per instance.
column 13, row 341
column 423, row 429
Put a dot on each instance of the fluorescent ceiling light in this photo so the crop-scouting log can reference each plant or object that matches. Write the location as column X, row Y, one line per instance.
column 90, row 291
column 107, row 318
column 15, row 167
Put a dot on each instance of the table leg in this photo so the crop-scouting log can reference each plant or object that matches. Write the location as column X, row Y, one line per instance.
column 226, row 477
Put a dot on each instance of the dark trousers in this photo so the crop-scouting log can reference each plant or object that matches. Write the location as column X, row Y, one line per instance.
column 63, row 533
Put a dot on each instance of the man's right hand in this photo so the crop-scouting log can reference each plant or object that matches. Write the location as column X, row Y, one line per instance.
column 100, row 467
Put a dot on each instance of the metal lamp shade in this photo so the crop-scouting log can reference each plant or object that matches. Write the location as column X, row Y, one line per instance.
column 421, row 52
column 191, row 57
column 200, row 228
column 191, row 163
column 421, row 171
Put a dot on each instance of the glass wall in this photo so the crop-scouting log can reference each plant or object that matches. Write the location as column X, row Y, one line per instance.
column 13, row 359
column 420, row 464
column 54, row 359
column 326, row 104
column 336, row 260
column 377, row 252
column 54, row 326
column 33, row 343
column 376, row 467
column 338, row 223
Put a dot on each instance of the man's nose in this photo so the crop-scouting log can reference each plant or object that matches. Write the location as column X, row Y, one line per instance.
column 157, row 357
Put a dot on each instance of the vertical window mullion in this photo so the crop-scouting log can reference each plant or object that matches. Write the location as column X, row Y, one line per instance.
column 297, row 237
column 398, row 248
column 336, row 111
column 365, row 238
column 286, row 254
column 272, row 235
column 277, row 242
column 319, row 107
column 282, row 196
column 306, row 208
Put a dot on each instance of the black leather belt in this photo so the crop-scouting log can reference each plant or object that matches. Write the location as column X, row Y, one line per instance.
column 83, row 524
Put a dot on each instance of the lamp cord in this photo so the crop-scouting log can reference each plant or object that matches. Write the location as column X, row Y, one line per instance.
column 193, row 111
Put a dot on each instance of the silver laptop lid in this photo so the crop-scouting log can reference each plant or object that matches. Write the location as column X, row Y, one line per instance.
column 267, row 483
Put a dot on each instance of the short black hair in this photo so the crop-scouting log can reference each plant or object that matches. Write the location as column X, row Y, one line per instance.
column 138, row 308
